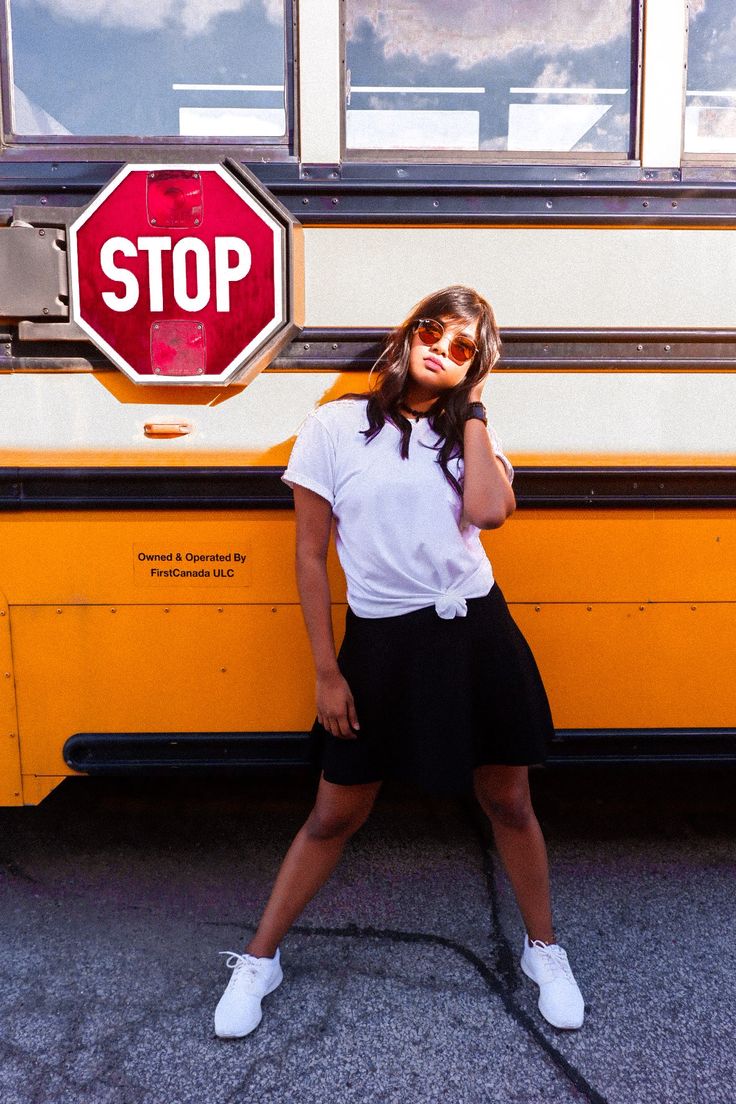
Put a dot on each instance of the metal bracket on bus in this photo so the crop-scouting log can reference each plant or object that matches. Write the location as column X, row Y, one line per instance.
column 34, row 284
column 33, row 277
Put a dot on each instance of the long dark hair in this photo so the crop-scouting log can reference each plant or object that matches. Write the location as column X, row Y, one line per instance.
column 451, row 304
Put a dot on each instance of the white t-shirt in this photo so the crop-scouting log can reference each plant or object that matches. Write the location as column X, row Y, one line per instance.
column 398, row 526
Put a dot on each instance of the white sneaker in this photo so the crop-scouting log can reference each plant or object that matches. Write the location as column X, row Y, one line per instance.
column 239, row 1010
column 560, row 1000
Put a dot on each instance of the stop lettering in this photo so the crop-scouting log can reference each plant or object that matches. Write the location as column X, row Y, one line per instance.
column 226, row 247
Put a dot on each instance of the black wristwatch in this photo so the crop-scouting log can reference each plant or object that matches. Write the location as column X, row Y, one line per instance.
column 476, row 410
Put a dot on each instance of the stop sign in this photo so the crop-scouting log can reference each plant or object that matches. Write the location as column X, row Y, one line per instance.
column 186, row 273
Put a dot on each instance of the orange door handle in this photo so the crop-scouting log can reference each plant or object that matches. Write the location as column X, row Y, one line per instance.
column 167, row 429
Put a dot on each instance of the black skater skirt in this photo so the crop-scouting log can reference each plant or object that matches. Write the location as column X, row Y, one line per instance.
column 436, row 698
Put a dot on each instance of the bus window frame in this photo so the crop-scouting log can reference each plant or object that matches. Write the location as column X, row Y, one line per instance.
column 693, row 159
column 42, row 147
column 505, row 157
column 690, row 158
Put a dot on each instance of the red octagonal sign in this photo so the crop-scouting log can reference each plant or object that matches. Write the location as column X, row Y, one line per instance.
column 186, row 273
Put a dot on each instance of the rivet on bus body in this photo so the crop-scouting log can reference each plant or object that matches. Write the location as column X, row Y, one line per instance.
column 640, row 348
column 274, row 609
column 641, row 607
column 7, row 674
column 219, row 609
column 166, row 609
column 335, row 202
column 674, row 202
column 536, row 609
column 305, row 202
column 335, row 346
column 153, row 222
column 42, row 233
column 59, row 611
column 693, row 607
column 44, row 200
column 2, row 612
column 113, row 610
column 667, row 348
column 306, row 348
column 549, row 203
column 223, row 669
column 45, row 310
column 589, row 608
column 436, row 203
column 645, row 203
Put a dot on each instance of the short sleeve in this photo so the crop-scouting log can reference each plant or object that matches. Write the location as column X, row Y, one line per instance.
column 498, row 450
column 312, row 461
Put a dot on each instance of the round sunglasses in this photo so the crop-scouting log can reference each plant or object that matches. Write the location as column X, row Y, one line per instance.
column 429, row 330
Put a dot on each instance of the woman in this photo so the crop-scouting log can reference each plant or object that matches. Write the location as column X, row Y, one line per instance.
column 434, row 682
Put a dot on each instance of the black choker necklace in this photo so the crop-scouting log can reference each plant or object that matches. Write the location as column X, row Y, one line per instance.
column 417, row 414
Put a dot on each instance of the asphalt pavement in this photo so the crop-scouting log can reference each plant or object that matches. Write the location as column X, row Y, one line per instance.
column 401, row 979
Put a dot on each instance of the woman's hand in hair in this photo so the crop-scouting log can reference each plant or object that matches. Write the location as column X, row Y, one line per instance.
column 476, row 392
column 335, row 706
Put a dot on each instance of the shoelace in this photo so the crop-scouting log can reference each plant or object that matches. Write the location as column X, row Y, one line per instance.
column 554, row 962
column 239, row 963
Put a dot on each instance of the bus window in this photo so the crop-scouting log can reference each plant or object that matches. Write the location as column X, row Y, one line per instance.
column 710, row 104
column 552, row 76
column 147, row 68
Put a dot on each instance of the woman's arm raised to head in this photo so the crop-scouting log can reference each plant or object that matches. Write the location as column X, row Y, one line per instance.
column 487, row 495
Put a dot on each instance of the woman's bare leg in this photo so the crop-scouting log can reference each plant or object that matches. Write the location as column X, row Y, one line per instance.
column 503, row 794
column 314, row 853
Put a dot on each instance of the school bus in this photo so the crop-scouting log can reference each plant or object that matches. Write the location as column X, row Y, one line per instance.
column 575, row 163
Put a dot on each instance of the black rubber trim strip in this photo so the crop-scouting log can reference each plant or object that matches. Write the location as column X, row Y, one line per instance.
column 132, row 752
column 172, row 752
column 646, row 745
column 244, row 488
column 534, row 349
column 570, row 487
column 253, row 488
column 357, row 349
column 424, row 194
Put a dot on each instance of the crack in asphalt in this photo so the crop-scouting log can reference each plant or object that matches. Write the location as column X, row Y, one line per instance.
column 506, row 962
column 10, row 867
column 501, row 979
column 505, row 958
column 498, row 988
column 284, row 1048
